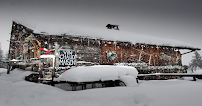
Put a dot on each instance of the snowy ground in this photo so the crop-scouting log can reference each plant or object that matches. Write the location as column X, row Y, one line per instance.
column 14, row 91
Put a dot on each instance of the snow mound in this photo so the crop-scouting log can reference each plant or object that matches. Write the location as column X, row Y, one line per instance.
column 16, row 74
column 129, row 80
column 3, row 70
column 99, row 73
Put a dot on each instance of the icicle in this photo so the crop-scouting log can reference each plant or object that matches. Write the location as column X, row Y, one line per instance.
column 88, row 42
column 140, row 56
column 81, row 41
column 150, row 59
column 115, row 45
column 142, row 47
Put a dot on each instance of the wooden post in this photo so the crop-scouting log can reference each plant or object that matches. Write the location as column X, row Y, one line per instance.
column 53, row 75
column 8, row 68
column 93, row 85
column 83, row 86
column 74, row 86
column 194, row 78
column 53, row 72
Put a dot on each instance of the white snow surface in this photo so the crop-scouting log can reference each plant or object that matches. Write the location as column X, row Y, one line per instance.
column 198, row 71
column 2, row 70
column 99, row 72
column 15, row 91
column 102, row 33
column 129, row 80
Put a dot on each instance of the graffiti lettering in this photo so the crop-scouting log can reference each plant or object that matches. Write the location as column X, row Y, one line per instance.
column 67, row 58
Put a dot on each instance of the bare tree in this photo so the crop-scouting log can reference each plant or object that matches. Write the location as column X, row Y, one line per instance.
column 196, row 62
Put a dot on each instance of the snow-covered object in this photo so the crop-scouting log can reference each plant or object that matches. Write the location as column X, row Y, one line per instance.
column 97, row 73
column 129, row 80
column 102, row 33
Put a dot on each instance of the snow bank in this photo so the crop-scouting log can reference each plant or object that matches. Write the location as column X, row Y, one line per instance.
column 97, row 73
column 14, row 91
column 3, row 70
column 16, row 74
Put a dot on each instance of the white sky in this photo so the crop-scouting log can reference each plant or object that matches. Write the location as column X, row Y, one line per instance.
column 175, row 19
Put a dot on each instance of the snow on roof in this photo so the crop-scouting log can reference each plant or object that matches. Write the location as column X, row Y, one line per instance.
column 97, row 73
column 104, row 34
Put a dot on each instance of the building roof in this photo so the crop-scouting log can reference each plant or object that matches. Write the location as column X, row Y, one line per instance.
column 106, row 34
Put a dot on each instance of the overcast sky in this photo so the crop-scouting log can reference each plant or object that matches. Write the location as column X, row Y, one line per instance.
column 175, row 19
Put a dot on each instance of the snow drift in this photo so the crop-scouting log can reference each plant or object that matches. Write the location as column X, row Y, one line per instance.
column 15, row 91
column 100, row 73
